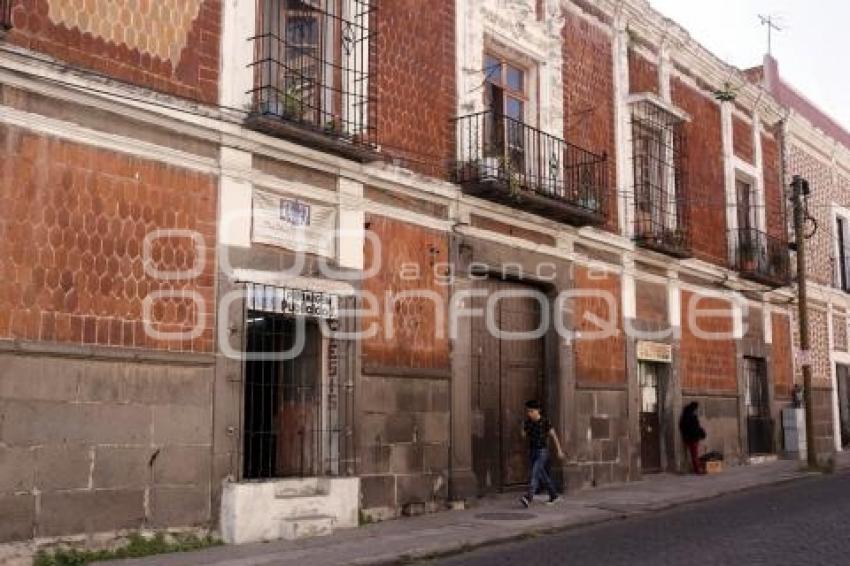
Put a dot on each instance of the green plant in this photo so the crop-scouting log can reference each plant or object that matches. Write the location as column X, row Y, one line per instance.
column 292, row 101
column 137, row 546
column 331, row 126
column 726, row 94
column 512, row 177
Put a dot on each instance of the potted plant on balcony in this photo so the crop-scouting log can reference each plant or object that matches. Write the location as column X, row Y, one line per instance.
column 674, row 237
column 512, row 177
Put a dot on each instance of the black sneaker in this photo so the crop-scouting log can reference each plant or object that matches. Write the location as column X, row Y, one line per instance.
column 554, row 500
column 526, row 502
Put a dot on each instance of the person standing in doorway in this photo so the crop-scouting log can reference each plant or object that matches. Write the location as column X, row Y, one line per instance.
column 537, row 430
column 692, row 433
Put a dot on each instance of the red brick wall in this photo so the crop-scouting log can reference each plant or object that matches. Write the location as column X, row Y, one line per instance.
column 416, row 83
column 600, row 361
column 178, row 54
column 742, row 139
column 589, row 96
column 706, row 179
column 414, row 343
column 72, row 224
column 643, row 74
column 774, row 194
column 707, row 364
column 651, row 301
column 783, row 363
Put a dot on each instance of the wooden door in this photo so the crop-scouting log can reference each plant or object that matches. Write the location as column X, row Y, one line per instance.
column 649, row 377
column 842, row 378
column 506, row 373
column 757, row 401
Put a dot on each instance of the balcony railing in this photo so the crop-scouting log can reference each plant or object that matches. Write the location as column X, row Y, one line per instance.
column 314, row 73
column 761, row 257
column 507, row 161
column 662, row 232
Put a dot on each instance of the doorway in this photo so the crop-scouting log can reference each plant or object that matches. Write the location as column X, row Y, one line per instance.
column 651, row 383
column 757, row 402
column 842, row 379
column 505, row 374
column 282, row 397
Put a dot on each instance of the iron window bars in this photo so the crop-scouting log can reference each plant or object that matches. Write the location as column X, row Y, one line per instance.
column 314, row 63
column 661, row 215
column 762, row 257
column 298, row 397
column 506, row 160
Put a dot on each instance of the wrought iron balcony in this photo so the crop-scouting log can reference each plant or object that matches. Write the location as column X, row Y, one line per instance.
column 762, row 258
column 512, row 163
column 314, row 78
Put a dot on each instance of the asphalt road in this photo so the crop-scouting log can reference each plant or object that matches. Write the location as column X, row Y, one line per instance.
column 806, row 522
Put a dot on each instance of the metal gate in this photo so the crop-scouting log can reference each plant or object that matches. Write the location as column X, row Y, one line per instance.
column 298, row 389
column 505, row 374
column 757, row 401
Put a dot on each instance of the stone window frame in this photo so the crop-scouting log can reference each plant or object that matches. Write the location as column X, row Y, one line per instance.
column 521, row 59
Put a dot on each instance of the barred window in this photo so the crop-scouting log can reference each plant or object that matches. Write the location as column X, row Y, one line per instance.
column 658, row 154
column 313, row 65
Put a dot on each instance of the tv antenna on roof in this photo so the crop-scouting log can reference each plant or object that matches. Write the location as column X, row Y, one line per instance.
column 772, row 24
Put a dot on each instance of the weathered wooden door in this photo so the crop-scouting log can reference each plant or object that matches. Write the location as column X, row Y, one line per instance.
column 842, row 378
column 757, row 401
column 650, row 382
column 506, row 373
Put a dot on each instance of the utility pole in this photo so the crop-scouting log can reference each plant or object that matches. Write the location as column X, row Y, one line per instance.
column 800, row 191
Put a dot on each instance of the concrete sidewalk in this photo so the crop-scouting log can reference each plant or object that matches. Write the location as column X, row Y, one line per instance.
column 492, row 520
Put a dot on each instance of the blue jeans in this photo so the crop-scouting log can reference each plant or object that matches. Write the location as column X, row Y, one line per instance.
column 538, row 460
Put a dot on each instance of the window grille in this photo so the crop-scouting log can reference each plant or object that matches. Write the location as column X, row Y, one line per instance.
column 314, row 66
column 660, row 201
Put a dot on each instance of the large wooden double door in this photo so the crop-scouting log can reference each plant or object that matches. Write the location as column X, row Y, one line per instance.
column 505, row 374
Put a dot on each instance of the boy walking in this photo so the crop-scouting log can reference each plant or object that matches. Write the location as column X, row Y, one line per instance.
column 537, row 430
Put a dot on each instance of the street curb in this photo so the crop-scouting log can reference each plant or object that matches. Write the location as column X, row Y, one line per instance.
column 466, row 547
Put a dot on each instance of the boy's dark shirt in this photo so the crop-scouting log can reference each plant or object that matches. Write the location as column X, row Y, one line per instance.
column 537, row 432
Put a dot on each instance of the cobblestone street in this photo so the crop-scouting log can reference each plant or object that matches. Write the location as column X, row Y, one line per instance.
column 802, row 522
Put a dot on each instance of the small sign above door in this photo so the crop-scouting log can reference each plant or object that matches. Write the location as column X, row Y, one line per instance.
column 296, row 302
column 654, row 352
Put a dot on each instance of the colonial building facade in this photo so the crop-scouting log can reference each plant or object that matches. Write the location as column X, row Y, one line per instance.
column 818, row 148
column 275, row 266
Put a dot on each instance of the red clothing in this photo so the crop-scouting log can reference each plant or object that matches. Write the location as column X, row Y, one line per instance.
column 696, row 465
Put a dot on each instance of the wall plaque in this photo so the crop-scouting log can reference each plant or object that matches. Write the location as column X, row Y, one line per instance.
column 654, row 352
column 293, row 224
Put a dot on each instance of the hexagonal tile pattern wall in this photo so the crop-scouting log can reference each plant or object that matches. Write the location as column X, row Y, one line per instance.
column 158, row 27
column 78, row 261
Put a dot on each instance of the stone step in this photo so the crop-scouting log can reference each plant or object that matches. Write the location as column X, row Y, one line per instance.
column 299, row 488
column 301, row 506
column 306, row 526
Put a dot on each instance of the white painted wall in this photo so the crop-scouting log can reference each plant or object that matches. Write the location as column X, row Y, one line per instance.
column 256, row 511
